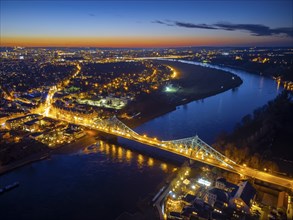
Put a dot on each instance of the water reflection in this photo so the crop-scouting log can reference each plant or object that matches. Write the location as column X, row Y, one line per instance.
column 113, row 151
column 278, row 85
column 93, row 174
column 128, row 155
column 122, row 155
column 261, row 82
column 150, row 162
column 164, row 167
column 140, row 161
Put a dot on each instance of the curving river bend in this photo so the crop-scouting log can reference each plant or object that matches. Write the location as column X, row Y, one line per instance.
column 103, row 181
column 210, row 116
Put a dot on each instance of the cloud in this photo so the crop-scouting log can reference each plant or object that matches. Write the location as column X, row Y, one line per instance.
column 256, row 29
column 190, row 25
column 91, row 15
column 253, row 29
column 158, row 22
column 167, row 22
column 286, row 30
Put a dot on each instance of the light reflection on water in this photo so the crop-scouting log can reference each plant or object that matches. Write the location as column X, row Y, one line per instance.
column 123, row 155
column 107, row 178
column 150, row 162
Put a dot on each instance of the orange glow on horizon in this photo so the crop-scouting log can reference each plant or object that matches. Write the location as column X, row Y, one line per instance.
column 140, row 41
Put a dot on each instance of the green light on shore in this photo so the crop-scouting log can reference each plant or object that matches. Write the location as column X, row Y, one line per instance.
column 170, row 89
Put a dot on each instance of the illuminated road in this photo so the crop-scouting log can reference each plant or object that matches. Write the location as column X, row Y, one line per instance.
column 44, row 109
column 203, row 154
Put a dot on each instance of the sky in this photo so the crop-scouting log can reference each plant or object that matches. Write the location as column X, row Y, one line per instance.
column 160, row 23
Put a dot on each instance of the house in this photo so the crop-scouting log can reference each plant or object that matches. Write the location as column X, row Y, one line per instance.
column 189, row 199
column 217, row 196
column 222, row 183
column 243, row 198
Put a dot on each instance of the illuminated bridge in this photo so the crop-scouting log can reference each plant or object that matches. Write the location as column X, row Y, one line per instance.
column 192, row 148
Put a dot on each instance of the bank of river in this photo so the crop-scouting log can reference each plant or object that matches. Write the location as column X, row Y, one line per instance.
column 102, row 181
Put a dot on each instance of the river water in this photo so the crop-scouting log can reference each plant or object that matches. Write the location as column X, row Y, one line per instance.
column 102, row 181
column 210, row 116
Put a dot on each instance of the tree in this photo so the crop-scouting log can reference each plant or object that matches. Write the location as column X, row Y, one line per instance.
column 255, row 161
column 246, row 119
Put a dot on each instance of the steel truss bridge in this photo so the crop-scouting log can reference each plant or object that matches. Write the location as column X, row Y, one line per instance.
column 192, row 148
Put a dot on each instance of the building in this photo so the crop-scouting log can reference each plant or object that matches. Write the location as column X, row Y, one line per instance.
column 222, row 183
column 283, row 201
column 74, row 134
column 243, row 198
column 240, row 196
column 217, row 197
column 189, row 199
column 17, row 123
column 32, row 125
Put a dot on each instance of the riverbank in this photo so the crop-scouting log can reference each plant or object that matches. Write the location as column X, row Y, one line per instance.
column 79, row 144
column 192, row 82
column 25, row 161
column 261, row 140
column 85, row 141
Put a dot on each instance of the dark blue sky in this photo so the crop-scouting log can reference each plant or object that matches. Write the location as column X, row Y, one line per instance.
column 165, row 23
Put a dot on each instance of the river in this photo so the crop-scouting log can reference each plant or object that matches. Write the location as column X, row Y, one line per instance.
column 102, row 181
column 210, row 116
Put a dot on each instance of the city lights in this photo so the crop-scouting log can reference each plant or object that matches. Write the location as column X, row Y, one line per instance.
column 204, row 182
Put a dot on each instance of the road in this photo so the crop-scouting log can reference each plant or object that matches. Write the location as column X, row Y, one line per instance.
column 190, row 154
column 45, row 108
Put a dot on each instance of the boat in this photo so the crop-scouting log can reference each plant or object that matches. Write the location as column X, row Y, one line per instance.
column 135, row 115
column 11, row 186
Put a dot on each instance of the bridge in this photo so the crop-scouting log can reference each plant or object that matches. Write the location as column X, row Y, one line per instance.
column 192, row 148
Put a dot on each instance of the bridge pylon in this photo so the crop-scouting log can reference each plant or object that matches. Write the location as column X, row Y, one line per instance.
column 199, row 149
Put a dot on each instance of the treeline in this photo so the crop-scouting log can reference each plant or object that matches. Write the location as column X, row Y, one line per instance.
column 263, row 136
column 278, row 66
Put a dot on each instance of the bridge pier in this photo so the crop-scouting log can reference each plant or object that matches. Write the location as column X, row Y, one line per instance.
column 107, row 137
column 191, row 162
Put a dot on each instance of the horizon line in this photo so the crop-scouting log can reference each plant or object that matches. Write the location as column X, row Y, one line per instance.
column 149, row 47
